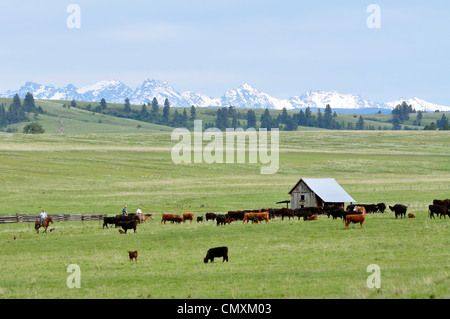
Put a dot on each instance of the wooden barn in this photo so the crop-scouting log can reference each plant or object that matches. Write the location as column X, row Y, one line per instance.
column 318, row 192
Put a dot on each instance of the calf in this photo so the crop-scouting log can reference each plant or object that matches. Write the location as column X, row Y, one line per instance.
column 199, row 219
column 311, row 217
column 133, row 254
column 399, row 209
column 411, row 215
column 216, row 253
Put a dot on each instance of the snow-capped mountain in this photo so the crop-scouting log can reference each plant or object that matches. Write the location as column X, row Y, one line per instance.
column 112, row 91
column 320, row 99
column 244, row 96
column 420, row 105
column 247, row 96
column 200, row 100
column 151, row 88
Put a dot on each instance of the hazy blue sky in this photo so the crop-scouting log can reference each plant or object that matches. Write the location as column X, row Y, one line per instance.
column 281, row 47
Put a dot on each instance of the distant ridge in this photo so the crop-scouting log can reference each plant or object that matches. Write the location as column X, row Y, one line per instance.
column 245, row 96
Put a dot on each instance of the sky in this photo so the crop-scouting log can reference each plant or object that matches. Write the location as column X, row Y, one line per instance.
column 283, row 48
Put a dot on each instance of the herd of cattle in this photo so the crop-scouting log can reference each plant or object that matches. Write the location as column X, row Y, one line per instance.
column 350, row 215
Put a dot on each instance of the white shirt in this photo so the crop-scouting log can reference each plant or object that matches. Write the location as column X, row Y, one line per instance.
column 43, row 215
column 139, row 211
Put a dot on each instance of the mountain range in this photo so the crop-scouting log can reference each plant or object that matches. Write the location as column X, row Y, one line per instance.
column 244, row 96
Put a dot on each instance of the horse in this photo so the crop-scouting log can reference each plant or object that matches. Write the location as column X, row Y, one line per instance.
column 45, row 223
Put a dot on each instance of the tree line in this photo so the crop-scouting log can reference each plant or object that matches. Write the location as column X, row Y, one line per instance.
column 17, row 111
column 225, row 117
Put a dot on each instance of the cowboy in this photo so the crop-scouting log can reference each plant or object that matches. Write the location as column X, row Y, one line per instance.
column 124, row 211
column 43, row 216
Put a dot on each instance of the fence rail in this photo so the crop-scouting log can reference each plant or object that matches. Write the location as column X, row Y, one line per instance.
column 27, row 218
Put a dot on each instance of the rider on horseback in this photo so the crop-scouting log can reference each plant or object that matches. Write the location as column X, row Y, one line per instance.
column 43, row 216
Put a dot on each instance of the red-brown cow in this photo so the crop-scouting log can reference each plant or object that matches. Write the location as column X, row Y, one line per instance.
column 188, row 216
column 360, row 218
column 170, row 218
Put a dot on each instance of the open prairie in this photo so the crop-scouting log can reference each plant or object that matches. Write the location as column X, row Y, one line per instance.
column 100, row 173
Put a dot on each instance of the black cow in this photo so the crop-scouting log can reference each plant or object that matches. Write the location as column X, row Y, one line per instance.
column 399, row 209
column 211, row 216
column 445, row 202
column 216, row 253
column 130, row 224
column 381, row 207
column 223, row 219
column 334, row 211
column 286, row 212
column 236, row 214
column 109, row 220
column 438, row 210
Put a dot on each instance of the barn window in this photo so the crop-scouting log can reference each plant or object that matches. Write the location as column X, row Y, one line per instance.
column 302, row 197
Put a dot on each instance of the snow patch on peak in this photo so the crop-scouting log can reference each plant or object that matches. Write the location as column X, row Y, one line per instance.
column 420, row 105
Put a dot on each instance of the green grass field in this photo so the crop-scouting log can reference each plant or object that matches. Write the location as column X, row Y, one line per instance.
column 99, row 173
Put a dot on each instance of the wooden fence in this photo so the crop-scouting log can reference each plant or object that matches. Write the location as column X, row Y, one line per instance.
column 26, row 218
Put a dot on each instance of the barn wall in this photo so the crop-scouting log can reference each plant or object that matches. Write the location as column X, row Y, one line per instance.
column 296, row 197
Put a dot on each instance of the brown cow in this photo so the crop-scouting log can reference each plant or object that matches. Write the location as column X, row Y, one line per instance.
column 360, row 218
column 170, row 218
column 258, row 216
column 133, row 254
column 411, row 215
column 311, row 217
column 188, row 216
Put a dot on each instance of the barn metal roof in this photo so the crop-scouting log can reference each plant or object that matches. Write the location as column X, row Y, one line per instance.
column 327, row 189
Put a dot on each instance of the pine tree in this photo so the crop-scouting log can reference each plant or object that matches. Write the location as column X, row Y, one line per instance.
column 193, row 113
column 360, row 124
column 319, row 118
column 143, row 115
column 284, row 116
column 302, row 119
column 222, row 122
column 184, row 118
column 28, row 103
column 155, row 107
column 16, row 112
column 166, row 111
column 103, row 104
column 266, row 120
column 3, row 119
column 308, row 116
column 328, row 117
column 251, row 119
column 419, row 117
column 127, row 106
